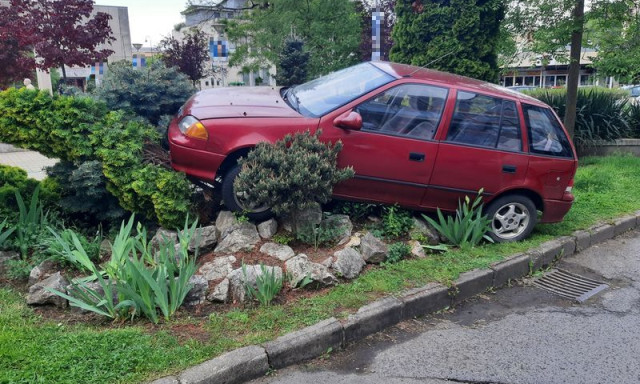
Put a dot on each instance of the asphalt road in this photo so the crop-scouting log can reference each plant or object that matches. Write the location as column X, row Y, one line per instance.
column 516, row 335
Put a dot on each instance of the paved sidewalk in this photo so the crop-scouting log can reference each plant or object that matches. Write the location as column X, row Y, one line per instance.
column 32, row 162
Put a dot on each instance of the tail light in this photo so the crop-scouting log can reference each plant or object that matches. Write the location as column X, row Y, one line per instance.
column 568, row 191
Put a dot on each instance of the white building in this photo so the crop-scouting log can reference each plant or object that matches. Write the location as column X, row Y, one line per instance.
column 209, row 19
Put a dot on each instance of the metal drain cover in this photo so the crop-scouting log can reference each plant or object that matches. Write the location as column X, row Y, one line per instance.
column 569, row 285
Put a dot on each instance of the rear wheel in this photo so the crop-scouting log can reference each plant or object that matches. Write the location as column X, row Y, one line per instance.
column 236, row 200
column 512, row 218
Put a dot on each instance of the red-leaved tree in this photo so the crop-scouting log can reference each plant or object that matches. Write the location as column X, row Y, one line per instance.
column 62, row 32
column 16, row 52
column 190, row 55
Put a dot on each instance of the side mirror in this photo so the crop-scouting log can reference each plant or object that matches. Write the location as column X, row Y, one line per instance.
column 349, row 120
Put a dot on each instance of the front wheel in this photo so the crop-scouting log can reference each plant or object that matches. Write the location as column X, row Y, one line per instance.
column 512, row 218
column 235, row 200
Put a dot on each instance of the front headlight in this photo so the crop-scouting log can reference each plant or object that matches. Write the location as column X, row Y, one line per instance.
column 192, row 127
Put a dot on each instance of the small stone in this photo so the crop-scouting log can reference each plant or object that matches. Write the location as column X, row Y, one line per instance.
column 426, row 230
column 243, row 238
column 225, row 223
column 348, row 263
column 204, row 238
column 300, row 268
column 340, row 225
column 39, row 295
column 220, row 292
column 198, row 292
column 42, row 271
column 279, row 251
column 163, row 236
column 237, row 279
column 218, row 268
column 105, row 249
column 305, row 218
column 268, row 228
column 373, row 249
column 416, row 249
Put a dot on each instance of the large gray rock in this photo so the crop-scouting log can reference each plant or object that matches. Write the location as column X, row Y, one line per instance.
column 268, row 228
column 300, row 267
column 198, row 292
column 340, row 225
column 218, row 268
column 348, row 263
column 220, row 292
column 39, row 295
column 373, row 249
column 424, row 229
column 204, row 238
column 225, row 223
column 238, row 279
column 303, row 219
column 42, row 271
column 279, row 251
column 242, row 238
column 163, row 236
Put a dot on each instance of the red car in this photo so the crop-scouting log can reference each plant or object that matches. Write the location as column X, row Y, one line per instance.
column 416, row 137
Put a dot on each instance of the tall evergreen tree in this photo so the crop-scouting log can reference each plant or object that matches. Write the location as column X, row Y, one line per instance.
column 458, row 36
column 292, row 68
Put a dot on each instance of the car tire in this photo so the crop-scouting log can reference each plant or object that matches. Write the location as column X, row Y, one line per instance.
column 512, row 218
column 232, row 201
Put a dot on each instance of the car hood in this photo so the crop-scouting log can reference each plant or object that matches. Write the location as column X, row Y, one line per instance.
column 239, row 102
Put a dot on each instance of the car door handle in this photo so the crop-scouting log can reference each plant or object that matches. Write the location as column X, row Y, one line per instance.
column 509, row 168
column 415, row 156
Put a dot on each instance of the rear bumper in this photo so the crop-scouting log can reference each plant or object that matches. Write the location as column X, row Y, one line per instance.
column 555, row 210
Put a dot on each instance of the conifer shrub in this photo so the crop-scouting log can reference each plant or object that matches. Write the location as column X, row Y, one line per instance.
column 291, row 174
column 80, row 129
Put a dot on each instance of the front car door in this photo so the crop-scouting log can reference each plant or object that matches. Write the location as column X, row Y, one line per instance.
column 394, row 152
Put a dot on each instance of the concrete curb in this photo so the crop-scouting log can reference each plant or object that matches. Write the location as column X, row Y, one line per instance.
column 254, row 361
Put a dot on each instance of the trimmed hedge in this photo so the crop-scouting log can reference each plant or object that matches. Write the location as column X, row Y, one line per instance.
column 78, row 129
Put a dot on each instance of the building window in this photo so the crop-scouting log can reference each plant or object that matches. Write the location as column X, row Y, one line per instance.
column 508, row 81
column 561, row 80
column 550, row 81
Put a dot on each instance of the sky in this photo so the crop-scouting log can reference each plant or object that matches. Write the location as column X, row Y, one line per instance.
column 150, row 20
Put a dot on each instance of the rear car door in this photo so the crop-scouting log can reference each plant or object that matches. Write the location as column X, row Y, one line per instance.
column 394, row 152
column 482, row 149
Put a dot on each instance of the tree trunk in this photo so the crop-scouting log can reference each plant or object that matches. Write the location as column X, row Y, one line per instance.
column 64, row 75
column 573, row 78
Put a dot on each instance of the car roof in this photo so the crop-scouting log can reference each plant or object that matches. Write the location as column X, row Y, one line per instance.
column 449, row 79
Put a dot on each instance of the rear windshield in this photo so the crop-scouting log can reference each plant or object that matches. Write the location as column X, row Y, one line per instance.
column 546, row 136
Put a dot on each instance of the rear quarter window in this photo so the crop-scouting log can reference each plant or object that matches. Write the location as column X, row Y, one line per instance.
column 546, row 136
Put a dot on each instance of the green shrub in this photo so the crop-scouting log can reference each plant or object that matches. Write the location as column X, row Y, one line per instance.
column 397, row 252
column 282, row 238
column 356, row 211
column 600, row 112
column 144, row 282
column 13, row 179
column 396, row 222
column 291, row 174
column 468, row 227
column 83, row 193
column 268, row 285
column 318, row 235
column 5, row 232
column 79, row 129
column 149, row 92
column 633, row 117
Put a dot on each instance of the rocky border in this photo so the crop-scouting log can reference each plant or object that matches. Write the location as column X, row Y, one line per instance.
column 254, row 361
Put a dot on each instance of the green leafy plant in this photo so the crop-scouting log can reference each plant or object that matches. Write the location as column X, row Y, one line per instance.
column 144, row 283
column 397, row 252
column 31, row 222
column 268, row 285
column 282, row 238
column 356, row 211
column 468, row 227
column 396, row 222
column 5, row 233
column 291, row 174
column 318, row 235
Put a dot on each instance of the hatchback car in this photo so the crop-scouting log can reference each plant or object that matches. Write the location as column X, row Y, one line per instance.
column 419, row 138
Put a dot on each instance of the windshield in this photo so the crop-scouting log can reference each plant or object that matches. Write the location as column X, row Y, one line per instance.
column 324, row 94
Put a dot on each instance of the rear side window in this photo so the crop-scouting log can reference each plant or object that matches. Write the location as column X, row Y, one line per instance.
column 485, row 121
column 546, row 136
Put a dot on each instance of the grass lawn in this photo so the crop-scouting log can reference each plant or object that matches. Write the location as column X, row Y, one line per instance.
column 35, row 350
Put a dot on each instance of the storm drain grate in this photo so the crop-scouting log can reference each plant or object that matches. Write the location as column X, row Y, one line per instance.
column 569, row 285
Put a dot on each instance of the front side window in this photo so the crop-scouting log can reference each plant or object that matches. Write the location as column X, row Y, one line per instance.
column 546, row 136
column 412, row 110
column 322, row 95
column 485, row 121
